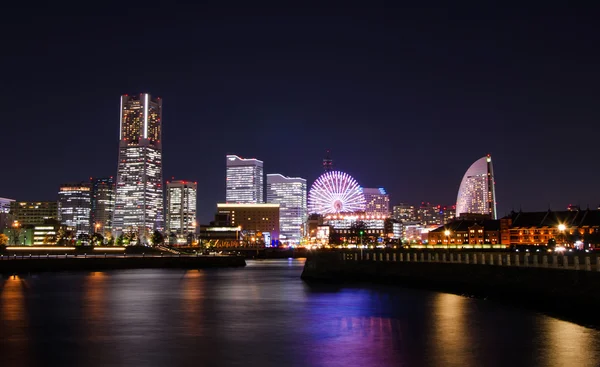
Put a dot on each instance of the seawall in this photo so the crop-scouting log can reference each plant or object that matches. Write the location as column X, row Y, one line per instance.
column 33, row 265
column 568, row 294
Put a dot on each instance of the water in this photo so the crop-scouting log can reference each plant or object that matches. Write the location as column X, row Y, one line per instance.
column 264, row 315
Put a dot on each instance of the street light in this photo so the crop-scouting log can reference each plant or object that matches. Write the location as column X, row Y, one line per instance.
column 447, row 233
column 15, row 231
column 562, row 228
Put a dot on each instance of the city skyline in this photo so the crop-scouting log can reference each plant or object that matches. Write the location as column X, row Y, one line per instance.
column 386, row 112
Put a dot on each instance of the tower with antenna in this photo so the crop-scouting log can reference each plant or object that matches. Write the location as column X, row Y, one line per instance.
column 327, row 162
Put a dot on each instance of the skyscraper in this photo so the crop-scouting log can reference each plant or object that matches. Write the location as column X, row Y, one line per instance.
column 181, row 208
column 378, row 202
column 139, row 198
column 103, row 204
column 290, row 194
column 245, row 183
column 476, row 194
column 74, row 207
column 405, row 212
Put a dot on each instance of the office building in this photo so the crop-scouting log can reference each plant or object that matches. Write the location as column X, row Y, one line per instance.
column 290, row 194
column 405, row 212
column 33, row 212
column 139, row 191
column 476, row 194
column 103, row 204
column 74, row 207
column 245, row 182
column 255, row 220
column 181, row 209
column 377, row 202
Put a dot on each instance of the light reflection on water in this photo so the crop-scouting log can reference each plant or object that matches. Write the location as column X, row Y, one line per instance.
column 264, row 315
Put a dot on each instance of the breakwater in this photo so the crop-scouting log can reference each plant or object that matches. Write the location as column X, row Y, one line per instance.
column 13, row 265
column 551, row 285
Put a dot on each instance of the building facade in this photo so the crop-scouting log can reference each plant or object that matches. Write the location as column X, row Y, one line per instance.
column 255, row 220
column 551, row 227
column 404, row 212
column 481, row 233
column 181, row 209
column 103, row 204
column 290, row 194
column 245, row 182
column 33, row 212
column 139, row 192
column 377, row 201
column 477, row 192
column 5, row 213
column 74, row 207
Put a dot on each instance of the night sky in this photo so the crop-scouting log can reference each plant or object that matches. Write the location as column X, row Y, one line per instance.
column 405, row 97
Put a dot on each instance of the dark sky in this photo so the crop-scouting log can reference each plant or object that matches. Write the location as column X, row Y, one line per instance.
column 405, row 97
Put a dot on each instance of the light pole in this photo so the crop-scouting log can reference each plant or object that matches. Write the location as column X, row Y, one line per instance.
column 16, row 232
column 447, row 233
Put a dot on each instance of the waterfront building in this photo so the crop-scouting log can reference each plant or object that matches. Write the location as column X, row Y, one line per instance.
column 32, row 212
column 257, row 221
column 377, row 201
column 74, row 207
column 405, row 212
column 181, row 209
column 558, row 227
column 474, row 233
column 139, row 191
column 5, row 213
column 103, row 205
column 244, row 180
column 476, row 194
column 290, row 194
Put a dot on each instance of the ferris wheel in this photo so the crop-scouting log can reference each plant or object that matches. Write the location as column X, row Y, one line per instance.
column 335, row 192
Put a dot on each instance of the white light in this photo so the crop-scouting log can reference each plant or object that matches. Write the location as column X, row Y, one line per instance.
column 146, row 116
column 562, row 227
column 109, row 248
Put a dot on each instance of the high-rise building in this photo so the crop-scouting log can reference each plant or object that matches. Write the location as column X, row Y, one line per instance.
column 405, row 212
column 103, row 204
column 476, row 194
column 245, row 183
column 290, row 194
column 181, row 208
column 139, row 191
column 427, row 214
column 33, row 212
column 4, row 213
column 378, row 202
column 74, row 207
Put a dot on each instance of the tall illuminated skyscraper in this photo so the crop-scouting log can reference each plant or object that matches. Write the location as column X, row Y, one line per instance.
column 290, row 194
column 74, row 207
column 378, row 202
column 477, row 192
column 139, row 198
column 245, row 182
column 103, row 204
column 181, row 208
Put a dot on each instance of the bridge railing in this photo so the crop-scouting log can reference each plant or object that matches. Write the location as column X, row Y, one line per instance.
column 523, row 260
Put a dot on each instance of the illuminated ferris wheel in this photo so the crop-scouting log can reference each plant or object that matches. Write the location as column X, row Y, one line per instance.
column 335, row 192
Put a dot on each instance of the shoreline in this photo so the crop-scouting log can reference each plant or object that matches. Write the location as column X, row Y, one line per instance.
column 568, row 295
column 41, row 265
